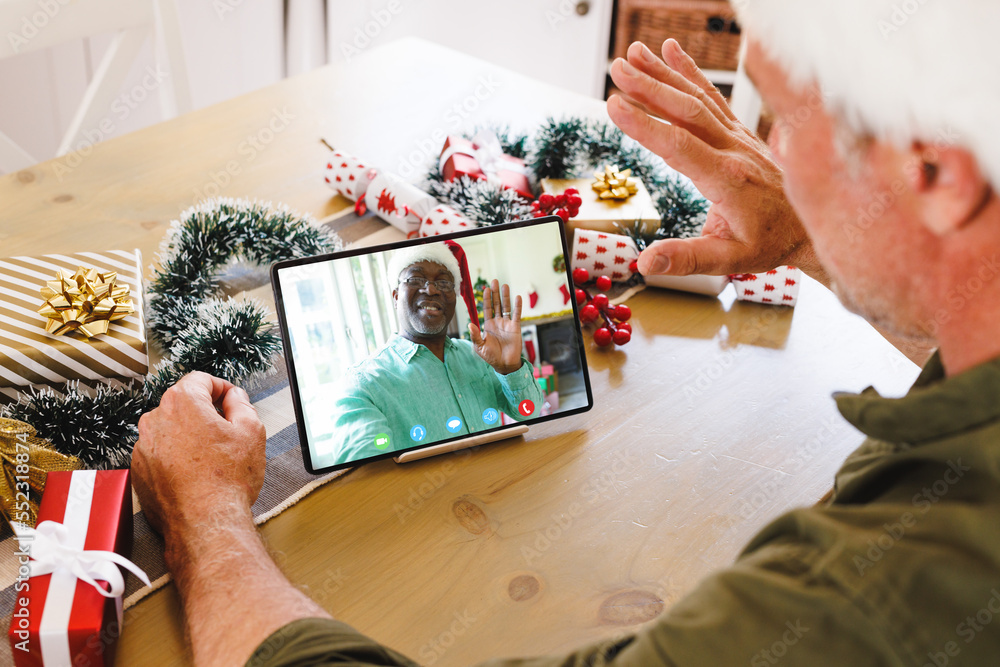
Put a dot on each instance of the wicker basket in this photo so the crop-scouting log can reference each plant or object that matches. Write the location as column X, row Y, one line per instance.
column 706, row 29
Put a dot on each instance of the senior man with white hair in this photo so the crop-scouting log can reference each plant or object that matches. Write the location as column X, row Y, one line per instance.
column 881, row 182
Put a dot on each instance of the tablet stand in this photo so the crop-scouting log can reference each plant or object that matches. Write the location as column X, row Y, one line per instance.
column 464, row 443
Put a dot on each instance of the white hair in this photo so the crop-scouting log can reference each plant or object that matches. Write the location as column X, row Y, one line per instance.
column 899, row 70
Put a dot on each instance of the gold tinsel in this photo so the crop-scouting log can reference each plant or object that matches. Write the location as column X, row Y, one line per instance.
column 22, row 483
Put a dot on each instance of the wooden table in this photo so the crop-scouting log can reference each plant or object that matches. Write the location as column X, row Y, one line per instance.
column 714, row 419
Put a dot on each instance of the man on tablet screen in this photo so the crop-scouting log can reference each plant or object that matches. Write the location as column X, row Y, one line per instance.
column 423, row 386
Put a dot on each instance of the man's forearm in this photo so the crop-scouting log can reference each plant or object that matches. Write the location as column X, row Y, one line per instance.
column 234, row 596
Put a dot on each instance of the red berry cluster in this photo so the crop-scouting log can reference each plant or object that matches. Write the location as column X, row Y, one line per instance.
column 566, row 205
column 615, row 327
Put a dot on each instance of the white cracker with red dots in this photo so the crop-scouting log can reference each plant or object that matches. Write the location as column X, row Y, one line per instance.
column 348, row 175
column 444, row 219
column 604, row 254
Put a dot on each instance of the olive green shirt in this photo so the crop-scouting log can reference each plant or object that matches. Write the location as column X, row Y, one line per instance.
column 901, row 568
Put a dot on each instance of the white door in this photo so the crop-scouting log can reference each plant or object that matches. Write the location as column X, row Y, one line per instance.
column 563, row 42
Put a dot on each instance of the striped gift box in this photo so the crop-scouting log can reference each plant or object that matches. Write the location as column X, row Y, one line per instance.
column 29, row 356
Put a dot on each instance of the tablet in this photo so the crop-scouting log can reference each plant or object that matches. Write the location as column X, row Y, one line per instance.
column 401, row 347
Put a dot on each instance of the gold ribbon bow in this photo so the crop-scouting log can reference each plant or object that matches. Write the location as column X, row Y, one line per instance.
column 614, row 184
column 87, row 301
column 26, row 459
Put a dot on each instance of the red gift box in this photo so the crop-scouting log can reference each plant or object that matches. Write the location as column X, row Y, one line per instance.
column 59, row 618
column 483, row 159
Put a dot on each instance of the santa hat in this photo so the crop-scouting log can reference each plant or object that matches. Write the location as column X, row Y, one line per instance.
column 899, row 70
column 448, row 254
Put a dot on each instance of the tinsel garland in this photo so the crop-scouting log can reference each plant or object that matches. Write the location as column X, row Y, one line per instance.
column 574, row 148
column 200, row 330
column 196, row 327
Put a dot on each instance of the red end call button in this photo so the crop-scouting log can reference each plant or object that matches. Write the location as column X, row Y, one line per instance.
column 526, row 408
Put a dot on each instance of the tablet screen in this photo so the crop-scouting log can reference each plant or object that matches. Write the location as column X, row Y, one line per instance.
column 415, row 344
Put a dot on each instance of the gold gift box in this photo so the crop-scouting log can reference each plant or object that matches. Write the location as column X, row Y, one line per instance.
column 30, row 356
column 601, row 215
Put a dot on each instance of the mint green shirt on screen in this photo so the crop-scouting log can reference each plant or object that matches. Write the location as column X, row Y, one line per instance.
column 404, row 385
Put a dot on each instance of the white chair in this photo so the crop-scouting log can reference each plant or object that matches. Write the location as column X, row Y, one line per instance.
column 31, row 25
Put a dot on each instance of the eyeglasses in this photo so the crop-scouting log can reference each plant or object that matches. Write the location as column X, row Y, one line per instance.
column 416, row 282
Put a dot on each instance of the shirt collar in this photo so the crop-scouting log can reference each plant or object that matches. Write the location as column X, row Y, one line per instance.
column 935, row 407
column 406, row 348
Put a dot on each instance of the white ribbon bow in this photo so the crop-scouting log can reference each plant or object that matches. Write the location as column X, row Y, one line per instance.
column 50, row 552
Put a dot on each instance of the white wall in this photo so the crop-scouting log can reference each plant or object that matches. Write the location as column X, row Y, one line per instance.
column 523, row 259
column 231, row 47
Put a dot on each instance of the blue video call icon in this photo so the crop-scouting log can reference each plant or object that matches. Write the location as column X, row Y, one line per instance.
column 418, row 433
column 490, row 416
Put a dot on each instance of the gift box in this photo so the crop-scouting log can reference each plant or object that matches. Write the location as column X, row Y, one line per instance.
column 32, row 355
column 68, row 609
column 602, row 214
column 778, row 286
column 613, row 255
column 482, row 158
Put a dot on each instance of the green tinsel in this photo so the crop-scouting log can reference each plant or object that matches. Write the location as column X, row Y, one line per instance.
column 486, row 203
column 196, row 329
column 573, row 148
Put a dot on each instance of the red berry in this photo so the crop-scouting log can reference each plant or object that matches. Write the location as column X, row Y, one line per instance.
column 580, row 275
column 621, row 337
column 564, row 214
column 546, row 200
column 561, row 200
column 588, row 313
column 633, row 266
column 581, row 296
column 571, row 191
column 600, row 301
column 573, row 211
column 622, row 313
column 574, row 200
column 603, row 336
column 603, row 283
column 625, row 326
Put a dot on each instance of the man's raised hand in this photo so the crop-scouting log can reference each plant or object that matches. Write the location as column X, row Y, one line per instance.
column 751, row 226
column 499, row 342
